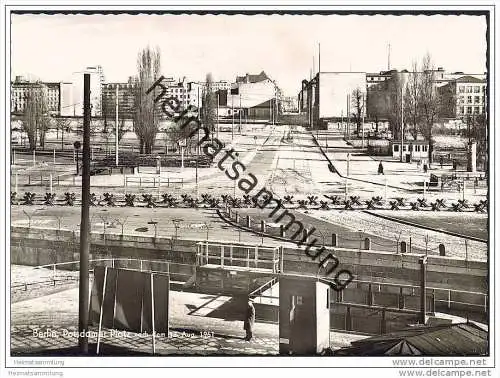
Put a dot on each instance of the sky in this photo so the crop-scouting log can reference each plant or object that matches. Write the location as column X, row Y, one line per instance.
column 52, row 47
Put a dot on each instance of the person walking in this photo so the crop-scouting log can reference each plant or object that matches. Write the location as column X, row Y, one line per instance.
column 380, row 168
column 249, row 320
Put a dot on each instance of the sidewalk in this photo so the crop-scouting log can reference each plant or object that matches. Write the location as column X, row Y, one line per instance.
column 397, row 175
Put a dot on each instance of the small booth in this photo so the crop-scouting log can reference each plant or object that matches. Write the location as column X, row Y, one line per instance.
column 413, row 150
column 304, row 316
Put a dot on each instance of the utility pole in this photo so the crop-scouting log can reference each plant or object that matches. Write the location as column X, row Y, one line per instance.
column 348, row 115
column 232, row 114
column 363, row 124
column 319, row 57
column 402, row 124
column 389, row 58
column 116, row 128
column 217, row 123
column 240, row 112
column 83, row 300
column 198, row 147
column 423, row 283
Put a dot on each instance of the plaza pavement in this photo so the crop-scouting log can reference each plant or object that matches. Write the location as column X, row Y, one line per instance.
column 190, row 314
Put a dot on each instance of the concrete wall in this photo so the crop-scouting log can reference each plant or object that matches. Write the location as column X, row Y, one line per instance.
column 40, row 246
column 442, row 272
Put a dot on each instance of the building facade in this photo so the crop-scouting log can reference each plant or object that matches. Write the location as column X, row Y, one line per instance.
column 468, row 94
column 258, row 96
column 52, row 91
column 326, row 97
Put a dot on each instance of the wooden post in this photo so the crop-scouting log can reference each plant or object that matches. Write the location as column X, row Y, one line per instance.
column 50, row 181
column 423, row 283
column 334, row 240
column 153, row 313
column 83, row 306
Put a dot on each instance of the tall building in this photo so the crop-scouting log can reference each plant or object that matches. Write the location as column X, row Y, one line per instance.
column 96, row 83
column 467, row 95
column 324, row 98
column 186, row 93
column 20, row 89
column 468, row 89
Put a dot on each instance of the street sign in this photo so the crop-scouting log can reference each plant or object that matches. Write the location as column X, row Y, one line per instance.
column 182, row 143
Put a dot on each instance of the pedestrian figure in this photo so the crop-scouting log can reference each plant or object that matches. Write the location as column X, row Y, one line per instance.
column 249, row 320
column 425, row 168
column 441, row 161
column 380, row 168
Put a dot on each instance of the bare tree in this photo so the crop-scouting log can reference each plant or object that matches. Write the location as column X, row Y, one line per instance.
column 358, row 106
column 411, row 101
column 145, row 118
column 35, row 116
column 63, row 125
column 429, row 102
column 209, row 105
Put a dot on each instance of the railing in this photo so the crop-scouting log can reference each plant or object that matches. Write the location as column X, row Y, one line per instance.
column 140, row 264
column 151, row 181
column 237, row 255
column 438, row 295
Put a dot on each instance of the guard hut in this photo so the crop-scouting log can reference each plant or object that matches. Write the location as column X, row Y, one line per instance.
column 413, row 150
column 304, row 316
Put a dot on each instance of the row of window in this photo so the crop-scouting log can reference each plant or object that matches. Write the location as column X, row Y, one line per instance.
column 418, row 148
column 470, row 109
column 470, row 88
column 477, row 100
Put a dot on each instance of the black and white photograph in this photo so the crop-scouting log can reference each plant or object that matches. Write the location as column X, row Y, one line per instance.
column 290, row 186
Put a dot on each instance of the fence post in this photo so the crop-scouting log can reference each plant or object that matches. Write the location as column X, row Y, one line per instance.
column 383, row 323
column 403, row 247
column 370, row 295
column 237, row 217
column 401, row 299
column 249, row 221
column 433, row 301
column 348, row 318
column 334, row 240
column 263, row 226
